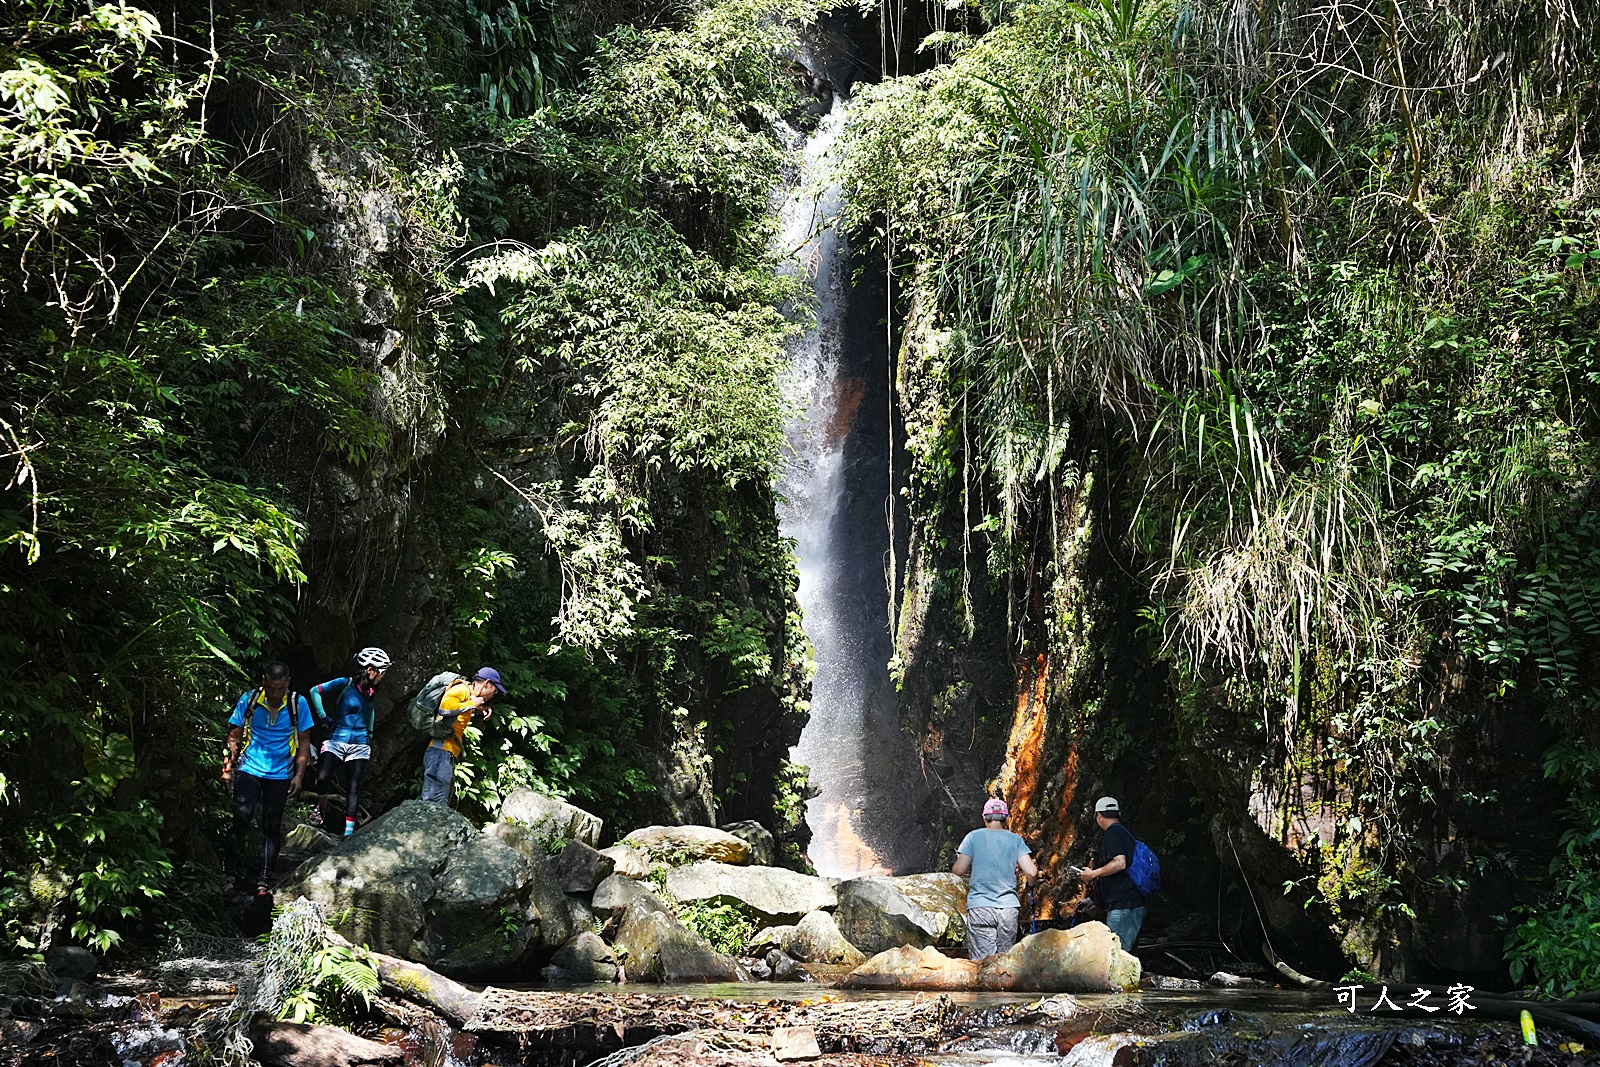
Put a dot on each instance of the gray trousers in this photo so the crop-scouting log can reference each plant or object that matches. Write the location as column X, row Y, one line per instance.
column 990, row 930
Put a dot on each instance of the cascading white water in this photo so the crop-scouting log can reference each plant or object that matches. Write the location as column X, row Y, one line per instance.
column 850, row 741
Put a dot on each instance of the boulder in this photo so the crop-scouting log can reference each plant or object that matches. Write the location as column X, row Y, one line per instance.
column 910, row 968
column 784, row 968
column 656, row 948
column 817, row 940
column 939, row 894
column 580, row 868
column 72, row 963
column 584, row 958
column 283, row 1044
column 630, row 862
column 493, row 906
column 762, row 849
column 874, row 916
column 551, row 820
column 684, row 844
column 771, row 937
column 548, row 896
column 772, row 893
column 579, row 911
column 377, row 882
column 1085, row 959
column 616, row 893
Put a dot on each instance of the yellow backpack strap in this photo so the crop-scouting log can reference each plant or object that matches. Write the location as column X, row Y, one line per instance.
column 249, row 717
column 292, row 706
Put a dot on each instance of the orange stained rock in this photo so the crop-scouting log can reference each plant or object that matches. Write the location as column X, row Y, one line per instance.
column 1024, row 780
column 1019, row 777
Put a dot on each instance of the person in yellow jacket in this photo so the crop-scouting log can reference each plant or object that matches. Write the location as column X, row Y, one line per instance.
column 467, row 699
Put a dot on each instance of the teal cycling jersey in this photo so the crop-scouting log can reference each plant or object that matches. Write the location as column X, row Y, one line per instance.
column 347, row 710
column 270, row 745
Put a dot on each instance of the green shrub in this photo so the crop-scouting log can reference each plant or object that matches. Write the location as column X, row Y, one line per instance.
column 726, row 926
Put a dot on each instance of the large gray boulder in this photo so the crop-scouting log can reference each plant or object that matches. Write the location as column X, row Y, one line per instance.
column 939, row 893
column 493, row 908
column 580, row 868
column 772, row 893
column 875, row 916
column 629, row 861
column 584, row 958
column 552, row 821
column 376, row 883
column 616, row 892
column 768, row 938
column 656, row 948
column 817, row 940
column 685, row 844
column 544, row 890
column 762, row 849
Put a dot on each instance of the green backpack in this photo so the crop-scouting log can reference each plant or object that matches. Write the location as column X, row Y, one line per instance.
column 423, row 711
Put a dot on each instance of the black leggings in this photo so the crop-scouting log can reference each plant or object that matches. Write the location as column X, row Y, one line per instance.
column 328, row 769
column 270, row 795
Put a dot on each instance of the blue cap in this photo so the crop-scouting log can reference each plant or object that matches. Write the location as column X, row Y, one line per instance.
column 489, row 674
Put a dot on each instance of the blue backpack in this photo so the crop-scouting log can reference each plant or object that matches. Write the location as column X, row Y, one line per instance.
column 1145, row 870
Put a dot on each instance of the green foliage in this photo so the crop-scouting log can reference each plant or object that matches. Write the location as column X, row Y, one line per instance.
column 726, row 926
column 198, row 345
column 1556, row 946
column 334, row 977
column 1334, row 345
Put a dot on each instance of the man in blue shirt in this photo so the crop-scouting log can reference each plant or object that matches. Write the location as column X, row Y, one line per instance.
column 267, row 754
column 993, row 855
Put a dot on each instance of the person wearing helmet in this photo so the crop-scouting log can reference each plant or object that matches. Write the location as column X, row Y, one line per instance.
column 346, row 705
column 465, row 699
column 993, row 856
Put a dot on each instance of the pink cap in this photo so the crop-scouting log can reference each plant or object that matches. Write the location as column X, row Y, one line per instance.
column 995, row 808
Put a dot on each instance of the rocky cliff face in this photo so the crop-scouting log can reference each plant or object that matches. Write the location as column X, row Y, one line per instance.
column 430, row 538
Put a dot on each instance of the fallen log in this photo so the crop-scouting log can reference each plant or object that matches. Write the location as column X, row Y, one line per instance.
column 420, row 985
column 284, row 1044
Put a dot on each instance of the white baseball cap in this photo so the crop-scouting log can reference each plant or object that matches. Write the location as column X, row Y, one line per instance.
column 1107, row 806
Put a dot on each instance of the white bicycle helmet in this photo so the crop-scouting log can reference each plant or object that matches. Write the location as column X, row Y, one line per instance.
column 373, row 657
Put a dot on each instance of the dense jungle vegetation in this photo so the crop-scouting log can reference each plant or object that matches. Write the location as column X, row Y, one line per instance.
column 448, row 326
column 452, row 325
column 1307, row 294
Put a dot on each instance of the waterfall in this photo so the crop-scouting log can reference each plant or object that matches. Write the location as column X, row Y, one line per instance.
column 834, row 489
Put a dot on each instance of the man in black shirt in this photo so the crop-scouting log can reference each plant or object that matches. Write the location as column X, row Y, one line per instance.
column 1122, row 900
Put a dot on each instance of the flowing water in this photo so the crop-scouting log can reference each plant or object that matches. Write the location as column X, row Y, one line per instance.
column 835, row 489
